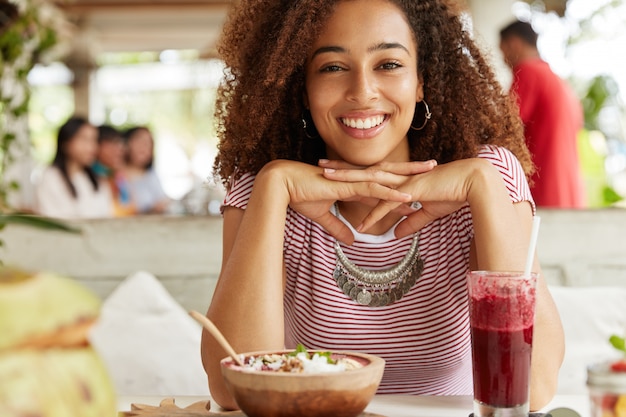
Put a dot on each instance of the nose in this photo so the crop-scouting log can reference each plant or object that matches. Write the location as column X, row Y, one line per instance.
column 363, row 86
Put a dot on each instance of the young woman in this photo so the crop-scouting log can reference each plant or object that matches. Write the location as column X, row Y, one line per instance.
column 69, row 188
column 143, row 183
column 367, row 133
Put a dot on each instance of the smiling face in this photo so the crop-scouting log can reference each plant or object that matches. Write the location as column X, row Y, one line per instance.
column 82, row 148
column 362, row 82
column 140, row 148
column 111, row 153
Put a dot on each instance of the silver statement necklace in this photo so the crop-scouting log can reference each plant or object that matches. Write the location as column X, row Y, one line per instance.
column 382, row 287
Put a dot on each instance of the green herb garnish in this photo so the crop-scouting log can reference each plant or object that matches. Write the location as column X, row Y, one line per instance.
column 301, row 349
column 328, row 358
column 618, row 343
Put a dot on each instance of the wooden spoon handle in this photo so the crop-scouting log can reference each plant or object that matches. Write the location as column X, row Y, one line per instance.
column 211, row 328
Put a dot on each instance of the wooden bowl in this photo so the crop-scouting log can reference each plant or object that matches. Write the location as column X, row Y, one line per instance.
column 283, row 394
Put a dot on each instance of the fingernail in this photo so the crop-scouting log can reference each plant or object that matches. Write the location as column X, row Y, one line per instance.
column 323, row 161
column 405, row 195
column 329, row 170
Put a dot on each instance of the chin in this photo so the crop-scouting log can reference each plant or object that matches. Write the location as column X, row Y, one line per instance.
column 362, row 159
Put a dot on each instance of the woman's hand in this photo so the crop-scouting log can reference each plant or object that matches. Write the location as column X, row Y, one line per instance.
column 441, row 189
column 406, row 169
column 312, row 195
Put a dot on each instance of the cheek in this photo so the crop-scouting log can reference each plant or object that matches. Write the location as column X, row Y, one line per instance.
column 318, row 102
column 321, row 105
column 87, row 149
column 408, row 89
column 93, row 150
column 137, row 151
column 321, row 91
column 70, row 151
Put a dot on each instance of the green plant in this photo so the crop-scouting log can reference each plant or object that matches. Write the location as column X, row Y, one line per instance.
column 35, row 221
column 28, row 31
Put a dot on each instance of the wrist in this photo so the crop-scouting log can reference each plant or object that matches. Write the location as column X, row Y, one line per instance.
column 272, row 181
column 486, row 189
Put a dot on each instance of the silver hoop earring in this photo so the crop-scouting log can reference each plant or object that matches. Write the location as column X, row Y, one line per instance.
column 305, row 125
column 427, row 116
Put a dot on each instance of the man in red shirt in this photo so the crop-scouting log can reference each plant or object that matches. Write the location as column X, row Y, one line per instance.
column 552, row 117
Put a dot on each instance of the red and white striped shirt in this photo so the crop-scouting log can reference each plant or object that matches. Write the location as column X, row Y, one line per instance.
column 424, row 337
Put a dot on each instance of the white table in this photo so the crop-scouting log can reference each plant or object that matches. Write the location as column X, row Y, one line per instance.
column 398, row 405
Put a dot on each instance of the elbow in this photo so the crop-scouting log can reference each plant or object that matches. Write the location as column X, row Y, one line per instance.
column 543, row 391
column 222, row 397
column 217, row 386
column 540, row 399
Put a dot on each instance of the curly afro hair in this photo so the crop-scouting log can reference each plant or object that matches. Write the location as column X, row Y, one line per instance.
column 265, row 46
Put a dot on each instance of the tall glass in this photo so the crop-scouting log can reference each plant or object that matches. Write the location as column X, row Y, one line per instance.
column 502, row 312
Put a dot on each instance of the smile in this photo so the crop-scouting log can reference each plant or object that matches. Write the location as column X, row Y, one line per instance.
column 366, row 123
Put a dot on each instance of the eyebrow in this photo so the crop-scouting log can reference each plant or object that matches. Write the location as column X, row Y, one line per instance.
column 387, row 45
column 378, row 47
column 327, row 49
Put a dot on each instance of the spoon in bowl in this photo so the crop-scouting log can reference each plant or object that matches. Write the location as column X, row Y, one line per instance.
column 211, row 328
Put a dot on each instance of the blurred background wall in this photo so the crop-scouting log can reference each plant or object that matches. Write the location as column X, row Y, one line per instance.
column 154, row 63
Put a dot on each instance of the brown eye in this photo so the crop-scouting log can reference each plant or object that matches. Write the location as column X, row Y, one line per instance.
column 331, row 68
column 390, row 65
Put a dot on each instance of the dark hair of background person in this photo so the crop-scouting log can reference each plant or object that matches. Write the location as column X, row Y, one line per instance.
column 8, row 15
column 127, row 137
column 65, row 134
column 108, row 133
column 522, row 30
column 265, row 44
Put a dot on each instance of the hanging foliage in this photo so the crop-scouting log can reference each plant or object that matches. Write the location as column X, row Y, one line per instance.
column 31, row 32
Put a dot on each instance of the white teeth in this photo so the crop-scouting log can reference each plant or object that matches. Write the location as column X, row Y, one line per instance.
column 368, row 123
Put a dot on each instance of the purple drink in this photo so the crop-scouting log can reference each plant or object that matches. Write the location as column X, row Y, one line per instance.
column 501, row 319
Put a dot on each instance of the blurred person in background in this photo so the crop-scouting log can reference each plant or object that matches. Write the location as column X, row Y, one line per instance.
column 144, row 185
column 109, row 165
column 69, row 188
column 552, row 117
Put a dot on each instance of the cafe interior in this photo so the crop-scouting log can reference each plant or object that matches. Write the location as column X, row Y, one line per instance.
column 155, row 62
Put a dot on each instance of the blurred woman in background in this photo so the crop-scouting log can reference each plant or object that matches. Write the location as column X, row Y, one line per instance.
column 144, row 184
column 69, row 188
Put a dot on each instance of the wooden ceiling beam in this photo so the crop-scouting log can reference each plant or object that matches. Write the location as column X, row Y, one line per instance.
column 88, row 6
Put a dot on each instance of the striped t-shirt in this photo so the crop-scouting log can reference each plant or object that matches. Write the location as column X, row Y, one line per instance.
column 424, row 337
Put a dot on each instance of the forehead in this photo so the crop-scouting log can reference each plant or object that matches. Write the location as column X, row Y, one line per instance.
column 85, row 130
column 111, row 142
column 362, row 19
column 141, row 134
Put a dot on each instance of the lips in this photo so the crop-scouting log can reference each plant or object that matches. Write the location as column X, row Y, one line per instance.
column 363, row 123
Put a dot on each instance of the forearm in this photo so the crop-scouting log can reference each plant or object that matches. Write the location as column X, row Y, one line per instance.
column 247, row 304
column 548, row 349
column 501, row 228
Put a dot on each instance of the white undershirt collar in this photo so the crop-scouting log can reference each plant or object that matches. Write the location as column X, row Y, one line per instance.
column 388, row 236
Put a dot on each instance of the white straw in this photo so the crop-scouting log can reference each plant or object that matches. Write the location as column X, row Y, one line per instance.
column 531, row 248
